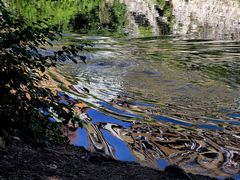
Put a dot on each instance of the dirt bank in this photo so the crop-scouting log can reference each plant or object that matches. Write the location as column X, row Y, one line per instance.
column 19, row 160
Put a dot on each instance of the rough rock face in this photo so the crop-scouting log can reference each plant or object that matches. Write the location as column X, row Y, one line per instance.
column 208, row 19
column 142, row 12
column 215, row 19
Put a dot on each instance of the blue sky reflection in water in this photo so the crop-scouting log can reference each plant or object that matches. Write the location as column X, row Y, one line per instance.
column 173, row 121
column 97, row 117
column 120, row 148
column 118, row 111
column 160, row 119
column 80, row 138
column 163, row 163
column 235, row 115
column 210, row 127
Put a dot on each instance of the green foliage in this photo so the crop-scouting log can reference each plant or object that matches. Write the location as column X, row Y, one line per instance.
column 103, row 18
column 145, row 31
column 119, row 15
column 161, row 3
column 22, row 67
column 60, row 11
column 166, row 9
column 83, row 16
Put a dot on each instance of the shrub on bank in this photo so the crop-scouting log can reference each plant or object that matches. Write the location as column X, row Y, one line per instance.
column 22, row 67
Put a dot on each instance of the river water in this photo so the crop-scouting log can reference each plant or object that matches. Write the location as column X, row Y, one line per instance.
column 159, row 101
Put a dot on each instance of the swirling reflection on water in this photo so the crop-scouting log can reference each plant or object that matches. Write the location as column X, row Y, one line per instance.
column 160, row 101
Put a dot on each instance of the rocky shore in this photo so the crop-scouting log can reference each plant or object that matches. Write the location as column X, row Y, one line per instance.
column 19, row 160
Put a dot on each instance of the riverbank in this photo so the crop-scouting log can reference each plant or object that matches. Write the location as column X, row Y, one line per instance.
column 19, row 160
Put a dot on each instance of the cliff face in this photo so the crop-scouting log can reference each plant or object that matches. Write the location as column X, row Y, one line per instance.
column 208, row 19
column 216, row 19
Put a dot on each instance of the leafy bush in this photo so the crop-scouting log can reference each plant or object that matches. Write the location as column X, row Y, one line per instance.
column 22, row 67
column 101, row 18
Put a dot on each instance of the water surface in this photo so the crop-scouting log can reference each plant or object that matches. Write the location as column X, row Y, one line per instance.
column 160, row 101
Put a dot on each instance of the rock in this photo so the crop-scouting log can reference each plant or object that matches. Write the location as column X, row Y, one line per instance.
column 16, row 138
column 52, row 166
